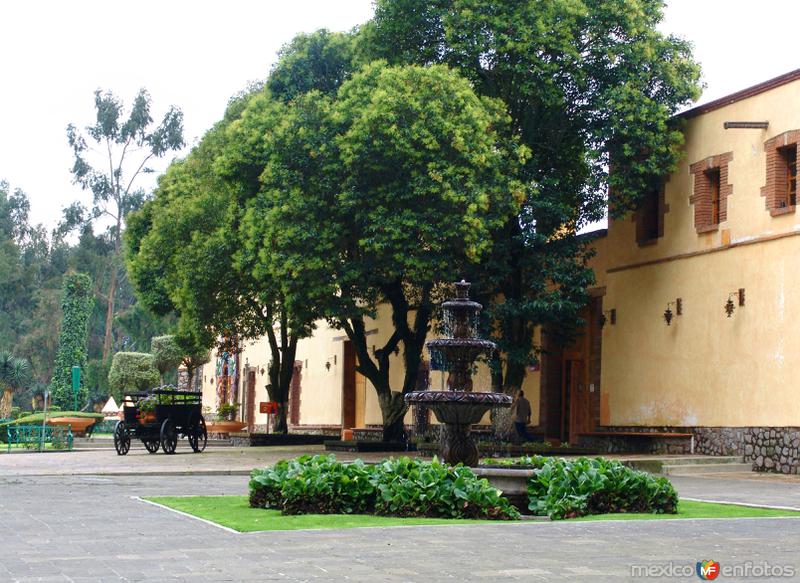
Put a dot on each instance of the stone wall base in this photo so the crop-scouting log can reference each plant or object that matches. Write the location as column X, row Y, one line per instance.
column 769, row 449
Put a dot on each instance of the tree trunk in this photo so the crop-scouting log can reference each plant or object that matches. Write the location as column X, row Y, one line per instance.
column 112, row 289
column 281, row 426
column 393, row 410
column 6, row 403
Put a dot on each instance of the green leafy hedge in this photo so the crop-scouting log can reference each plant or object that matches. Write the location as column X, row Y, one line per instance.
column 563, row 488
column 396, row 487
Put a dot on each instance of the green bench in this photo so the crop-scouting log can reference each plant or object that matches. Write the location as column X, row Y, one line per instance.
column 31, row 437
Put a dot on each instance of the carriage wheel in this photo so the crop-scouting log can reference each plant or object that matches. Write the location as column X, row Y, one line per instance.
column 151, row 445
column 198, row 435
column 169, row 437
column 122, row 441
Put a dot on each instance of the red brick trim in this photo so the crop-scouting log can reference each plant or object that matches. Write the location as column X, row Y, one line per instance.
column 774, row 191
column 701, row 197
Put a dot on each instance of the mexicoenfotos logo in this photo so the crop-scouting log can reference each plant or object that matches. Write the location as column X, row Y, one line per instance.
column 707, row 570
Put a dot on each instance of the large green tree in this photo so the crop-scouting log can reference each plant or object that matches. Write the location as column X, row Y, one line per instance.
column 124, row 147
column 588, row 85
column 211, row 282
column 381, row 195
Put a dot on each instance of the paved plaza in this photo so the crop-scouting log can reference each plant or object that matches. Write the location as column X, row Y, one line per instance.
column 61, row 522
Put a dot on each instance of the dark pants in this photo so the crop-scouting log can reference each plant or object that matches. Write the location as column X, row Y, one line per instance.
column 522, row 431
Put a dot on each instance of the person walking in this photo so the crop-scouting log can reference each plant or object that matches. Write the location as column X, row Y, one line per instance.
column 521, row 411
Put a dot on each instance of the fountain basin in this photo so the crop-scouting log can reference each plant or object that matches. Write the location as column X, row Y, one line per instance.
column 458, row 411
column 459, row 407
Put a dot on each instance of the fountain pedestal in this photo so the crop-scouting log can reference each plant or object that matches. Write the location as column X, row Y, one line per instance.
column 458, row 411
column 459, row 408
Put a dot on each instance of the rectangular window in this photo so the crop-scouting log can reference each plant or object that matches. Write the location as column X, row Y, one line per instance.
column 649, row 217
column 789, row 158
column 713, row 176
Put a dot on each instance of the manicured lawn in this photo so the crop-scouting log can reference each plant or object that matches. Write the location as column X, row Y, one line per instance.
column 234, row 512
column 691, row 509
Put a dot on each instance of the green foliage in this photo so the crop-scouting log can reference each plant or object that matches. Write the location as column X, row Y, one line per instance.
column 128, row 145
column 76, row 305
column 409, row 487
column 396, row 487
column 382, row 194
column 167, row 354
column 227, row 411
column 15, row 375
column 588, row 86
column 318, row 61
column 132, row 372
column 563, row 488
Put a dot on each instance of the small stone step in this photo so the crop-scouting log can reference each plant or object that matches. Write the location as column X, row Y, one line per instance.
column 712, row 468
column 702, row 460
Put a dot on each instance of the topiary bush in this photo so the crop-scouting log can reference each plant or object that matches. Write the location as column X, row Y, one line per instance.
column 132, row 371
column 396, row 487
column 563, row 488
column 76, row 304
column 167, row 354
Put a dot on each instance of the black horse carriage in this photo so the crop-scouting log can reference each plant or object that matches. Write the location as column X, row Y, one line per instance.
column 158, row 418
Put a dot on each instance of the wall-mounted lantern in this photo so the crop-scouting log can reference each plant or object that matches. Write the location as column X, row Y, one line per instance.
column 328, row 362
column 608, row 317
column 668, row 313
column 730, row 306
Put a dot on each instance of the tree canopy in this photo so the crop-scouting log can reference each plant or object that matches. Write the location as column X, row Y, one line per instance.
column 442, row 139
column 129, row 143
column 589, row 85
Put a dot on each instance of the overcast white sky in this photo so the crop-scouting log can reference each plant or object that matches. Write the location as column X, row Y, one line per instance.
column 195, row 55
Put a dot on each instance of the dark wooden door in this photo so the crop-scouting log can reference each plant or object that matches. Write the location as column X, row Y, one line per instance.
column 294, row 393
column 576, row 409
column 349, row 387
column 251, row 400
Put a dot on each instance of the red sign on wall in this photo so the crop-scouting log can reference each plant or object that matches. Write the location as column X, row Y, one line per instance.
column 268, row 407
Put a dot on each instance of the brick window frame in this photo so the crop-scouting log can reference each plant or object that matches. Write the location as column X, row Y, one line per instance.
column 702, row 171
column 774, row 190
column 644, row 227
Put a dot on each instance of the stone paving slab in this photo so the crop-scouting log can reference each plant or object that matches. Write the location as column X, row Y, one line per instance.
column 89, row 528
column 213, row 461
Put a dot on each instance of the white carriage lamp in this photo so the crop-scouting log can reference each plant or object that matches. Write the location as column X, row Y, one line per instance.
column 668, row 313
column 608, row 317
column 730, row 306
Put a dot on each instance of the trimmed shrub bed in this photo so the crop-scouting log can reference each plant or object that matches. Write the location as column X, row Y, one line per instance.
column 396, row 487
column 562, row 488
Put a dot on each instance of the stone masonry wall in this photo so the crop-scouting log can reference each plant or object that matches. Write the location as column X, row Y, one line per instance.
column 769, row 449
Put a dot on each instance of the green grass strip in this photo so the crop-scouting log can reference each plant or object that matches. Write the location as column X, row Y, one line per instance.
column 234, row 512
column 692, row 509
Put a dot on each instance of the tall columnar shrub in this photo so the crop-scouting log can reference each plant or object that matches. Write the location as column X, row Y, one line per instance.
column 132, row 372
column 76, row 305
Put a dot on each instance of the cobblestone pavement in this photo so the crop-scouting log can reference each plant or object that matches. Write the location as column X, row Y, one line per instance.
column 105, row 461
column 86, row 528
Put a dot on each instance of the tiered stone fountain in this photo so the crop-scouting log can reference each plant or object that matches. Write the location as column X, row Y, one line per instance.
column 458, row 408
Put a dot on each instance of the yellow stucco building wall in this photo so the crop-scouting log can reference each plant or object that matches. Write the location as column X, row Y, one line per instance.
column 707, row 369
